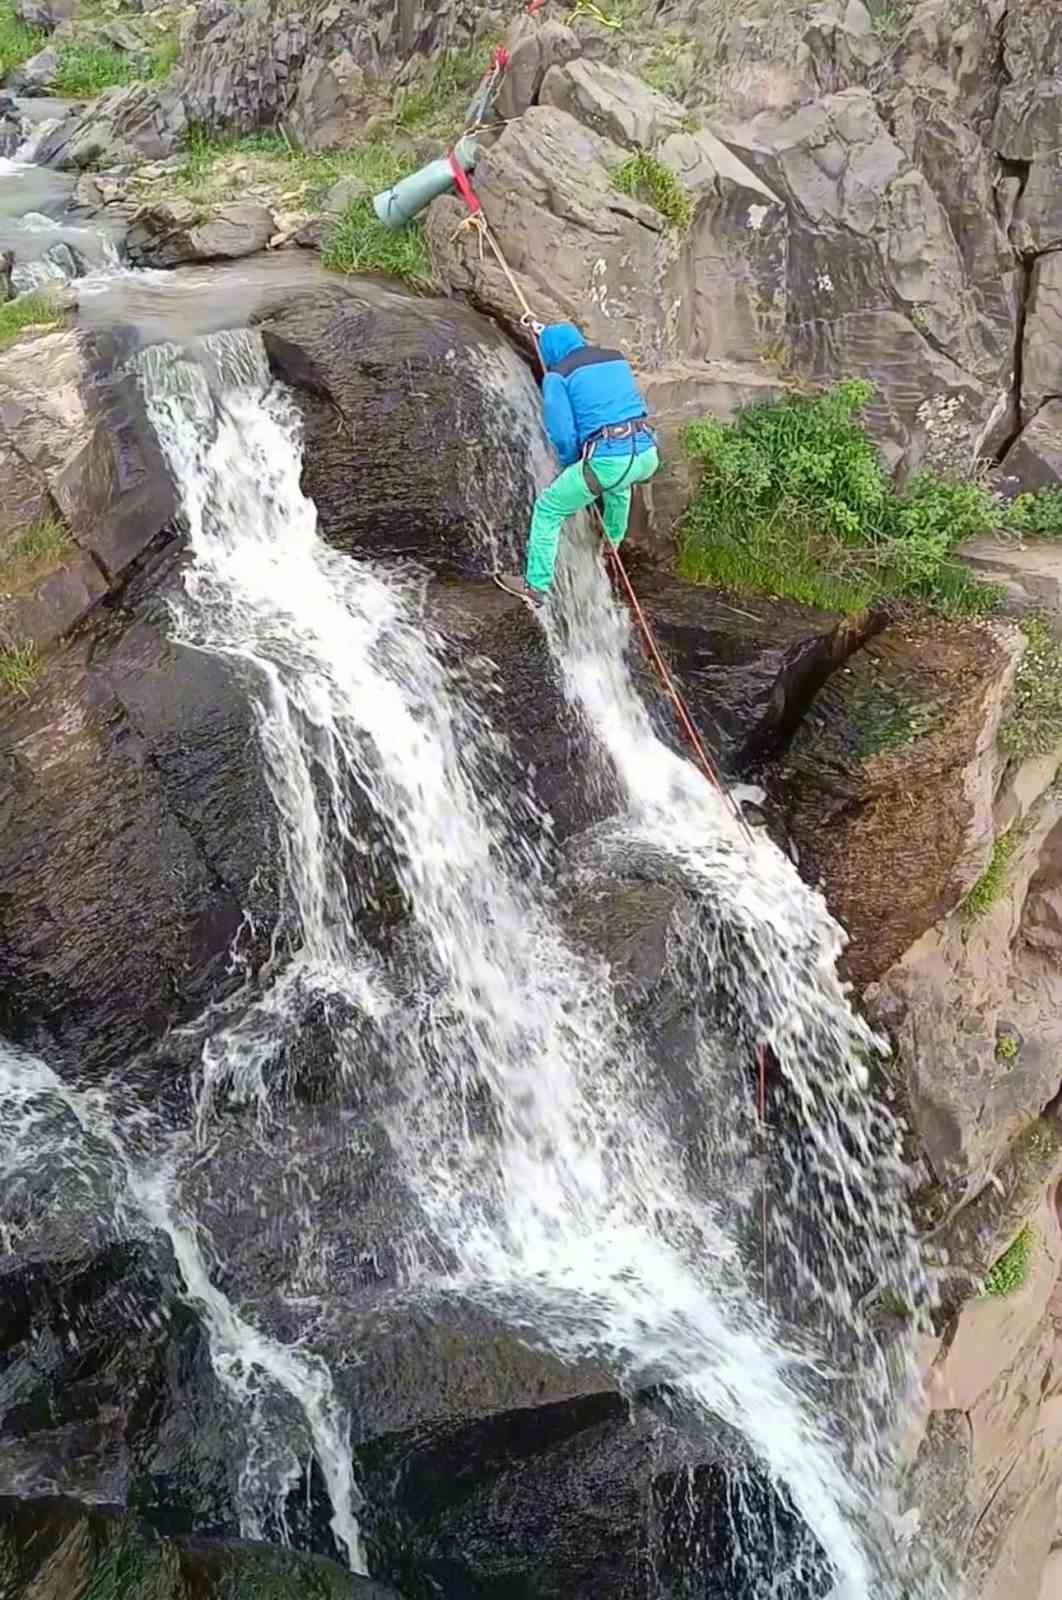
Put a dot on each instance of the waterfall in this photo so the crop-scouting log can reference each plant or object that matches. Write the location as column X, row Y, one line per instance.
column 551, row 1187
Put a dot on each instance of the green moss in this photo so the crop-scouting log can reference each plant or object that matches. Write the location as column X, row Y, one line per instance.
column 645, row 178
column 1011, row 1270
column 29, row 310
column 886, row 720
column 1033, row 724
column 17, row 41
column 794, row 502
column 85, row 70
column 989, row 886
column 19, row 668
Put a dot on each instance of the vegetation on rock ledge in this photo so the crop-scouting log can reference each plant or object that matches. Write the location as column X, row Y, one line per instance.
column 1033, row 726
column 795, row 502
column 28, row 311
column 1012, row 1268
column 19, row 667
column 645, row 178
column 989, row 886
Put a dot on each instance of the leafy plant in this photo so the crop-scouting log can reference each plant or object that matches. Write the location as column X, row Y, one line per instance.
column 19, row 667
column 17, row 40
column 27, row 311
column 645, row 178
column 794, row 501
column 1038, row 513
column 1033, row 725
column 164, row 57
column 1011, row 1270
column 989, row 886
column 85, row 70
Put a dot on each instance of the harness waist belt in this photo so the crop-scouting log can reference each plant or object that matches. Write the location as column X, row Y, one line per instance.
column 618, row 430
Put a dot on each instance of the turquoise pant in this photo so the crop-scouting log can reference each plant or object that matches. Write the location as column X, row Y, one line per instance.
column 569, row 493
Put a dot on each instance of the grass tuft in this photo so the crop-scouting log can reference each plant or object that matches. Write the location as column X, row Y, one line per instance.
column 28, row 310
column 989, row 886
column 645, row 178
column 17, row 40
column 794, row 502
column 359, row 242
column 1012, row 1269
column 19, row 667
column 1033, row 725
column 85, row 70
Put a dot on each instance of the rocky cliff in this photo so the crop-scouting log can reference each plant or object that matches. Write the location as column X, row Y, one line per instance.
column 847, row 189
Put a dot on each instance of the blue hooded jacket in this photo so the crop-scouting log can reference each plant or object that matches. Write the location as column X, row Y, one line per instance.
column 586, row 389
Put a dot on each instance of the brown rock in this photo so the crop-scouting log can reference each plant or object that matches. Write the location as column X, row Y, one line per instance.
column 615, row 104
column 534, row 47
column 168, row 232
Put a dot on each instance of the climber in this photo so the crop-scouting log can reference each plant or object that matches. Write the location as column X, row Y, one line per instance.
column 596, row 421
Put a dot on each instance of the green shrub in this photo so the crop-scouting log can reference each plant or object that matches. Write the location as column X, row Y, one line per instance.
column 85, row 70
column 1033, row 725
column 645, row 178
column 25, row 312
column 1038, row 514
column 794, row 501
column 989, row 886
column 19, row 667
column 1012, row 1268
column 17, row 41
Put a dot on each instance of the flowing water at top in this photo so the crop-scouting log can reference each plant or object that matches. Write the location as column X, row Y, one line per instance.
column 549, row 1181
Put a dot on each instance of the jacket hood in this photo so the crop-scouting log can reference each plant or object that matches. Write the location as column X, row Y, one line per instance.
column 558, row 341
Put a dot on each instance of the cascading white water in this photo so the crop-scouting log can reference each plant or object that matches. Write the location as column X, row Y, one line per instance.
column 126, row 1164
column 565, row 1207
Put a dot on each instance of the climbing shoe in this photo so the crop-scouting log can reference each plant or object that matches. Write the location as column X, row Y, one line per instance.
column 516, row 584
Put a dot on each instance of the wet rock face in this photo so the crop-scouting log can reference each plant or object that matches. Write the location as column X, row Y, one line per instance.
column 136, row 825
column 59, row 1546
column 419, row 426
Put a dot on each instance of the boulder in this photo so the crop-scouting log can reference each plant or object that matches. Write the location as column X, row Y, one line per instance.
column 1027, row 131
column 334, row 101
column 36, row 72
column 169, row 232
column 876, row 282
column 534, row 46
column 1029, row 575
column 1042, row 348
column 426, row 409
column 139, row 122
column 74, row 416
column 1034, row 460
column 889, row 782
column 615, row 104
column 583, row 252
column 46, row 14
